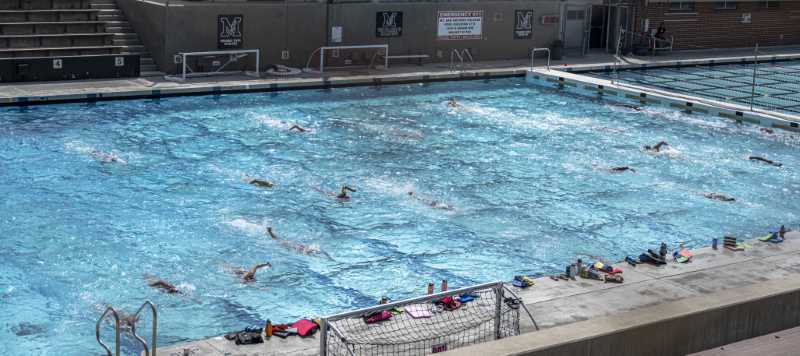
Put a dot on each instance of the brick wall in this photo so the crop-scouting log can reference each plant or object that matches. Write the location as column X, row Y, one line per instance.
column 707, row 27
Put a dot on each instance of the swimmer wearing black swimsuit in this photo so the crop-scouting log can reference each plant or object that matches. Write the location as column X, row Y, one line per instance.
column 657, row 147
column 767, row 161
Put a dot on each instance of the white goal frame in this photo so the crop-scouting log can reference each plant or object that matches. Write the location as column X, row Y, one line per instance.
column 233, row 57
column 322, row 53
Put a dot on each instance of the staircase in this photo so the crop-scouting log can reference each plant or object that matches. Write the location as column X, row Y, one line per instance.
column 124, row 35
column 59, row 28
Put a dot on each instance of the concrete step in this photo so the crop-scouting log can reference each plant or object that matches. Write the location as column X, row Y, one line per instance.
column 119, row 29
column 151, row 74
column 103, row 2
column 146, row 60
column 126, row 42
column 126, row 35
column 104, row 6
column 110, row 17
column 148, row 67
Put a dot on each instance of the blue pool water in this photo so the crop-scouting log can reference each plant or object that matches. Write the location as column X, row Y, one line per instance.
column 523, row 168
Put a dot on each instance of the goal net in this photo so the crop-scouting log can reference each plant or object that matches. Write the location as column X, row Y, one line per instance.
column 202, row 64
column 424, row 325
column 347, row 57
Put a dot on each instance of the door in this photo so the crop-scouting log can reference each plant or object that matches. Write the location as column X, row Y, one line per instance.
column 597, row 29
column 574, row 27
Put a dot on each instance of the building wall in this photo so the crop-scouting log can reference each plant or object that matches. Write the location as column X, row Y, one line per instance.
column 707, row 27
column 302, row 27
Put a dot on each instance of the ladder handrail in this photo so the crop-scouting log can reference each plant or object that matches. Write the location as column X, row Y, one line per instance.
column 155, row 328
column 116, row 330
column 461, row 55
column 453, row 55
column 468, row 55
column 533, row 52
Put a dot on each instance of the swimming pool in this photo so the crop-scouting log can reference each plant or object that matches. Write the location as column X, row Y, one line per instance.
column 525, row 170
column 777, row 84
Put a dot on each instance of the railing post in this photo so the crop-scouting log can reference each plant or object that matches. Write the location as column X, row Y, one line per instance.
column 323, row 337
column 321, row 59
column 755, row 69
column 116, row 331
column 498, row 292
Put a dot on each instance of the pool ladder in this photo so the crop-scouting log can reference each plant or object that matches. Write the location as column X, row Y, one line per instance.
column 463, row 55
column 135, row 317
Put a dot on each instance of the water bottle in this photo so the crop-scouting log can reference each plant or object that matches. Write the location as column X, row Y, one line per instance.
column 443, row 287
column 430, row 288
column 714, row 243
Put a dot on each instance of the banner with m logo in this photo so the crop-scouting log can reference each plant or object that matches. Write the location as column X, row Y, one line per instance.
column 229, row 31
column 523, row 24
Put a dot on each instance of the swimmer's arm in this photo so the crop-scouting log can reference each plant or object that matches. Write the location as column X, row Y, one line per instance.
column 271, row 234
column 252, row 273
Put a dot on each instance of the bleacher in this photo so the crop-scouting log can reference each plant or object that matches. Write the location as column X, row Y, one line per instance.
column 61, row 28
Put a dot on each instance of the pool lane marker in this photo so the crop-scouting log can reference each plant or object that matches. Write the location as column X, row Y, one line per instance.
column 688, row 106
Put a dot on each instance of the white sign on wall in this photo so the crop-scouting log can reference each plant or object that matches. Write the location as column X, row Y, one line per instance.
column 336, row 34
column 747, row 17
column 460, row 25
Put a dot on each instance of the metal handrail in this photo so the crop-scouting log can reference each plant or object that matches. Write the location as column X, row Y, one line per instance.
column 468, row 55
column 453, row 55
column 155, row 328
column 533, row 53
column 535, row 325
column 116, row 330
column 462, row 56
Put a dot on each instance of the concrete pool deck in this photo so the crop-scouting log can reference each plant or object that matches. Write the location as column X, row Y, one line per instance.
column 13, row 94
column 557, row 304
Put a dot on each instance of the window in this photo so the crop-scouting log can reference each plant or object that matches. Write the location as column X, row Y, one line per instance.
column 724, row 5
column 575, row 14
column 769, row 4
column 681, row 5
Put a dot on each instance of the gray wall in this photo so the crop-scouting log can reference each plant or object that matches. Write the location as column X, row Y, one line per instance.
column 301, row 27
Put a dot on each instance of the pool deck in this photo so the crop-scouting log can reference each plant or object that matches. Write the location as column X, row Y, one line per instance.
column 155, row 87
column 560, row 303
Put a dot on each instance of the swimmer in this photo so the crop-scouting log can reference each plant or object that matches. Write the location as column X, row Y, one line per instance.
column 250, row 276
column 720, row 197
column 293, row 245
column 257, row 182
column 657, row 147
column 767, row 161
column 343, row 195
column 107, row 157
column 298, row 128
column 163, row 285
column 126, row 321
column 767, row 131
column 633, row 107
column 622, row 169
column 452, row 103
column 432, row 203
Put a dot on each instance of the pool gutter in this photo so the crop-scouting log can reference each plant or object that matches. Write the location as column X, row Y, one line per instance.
column 268, row 85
